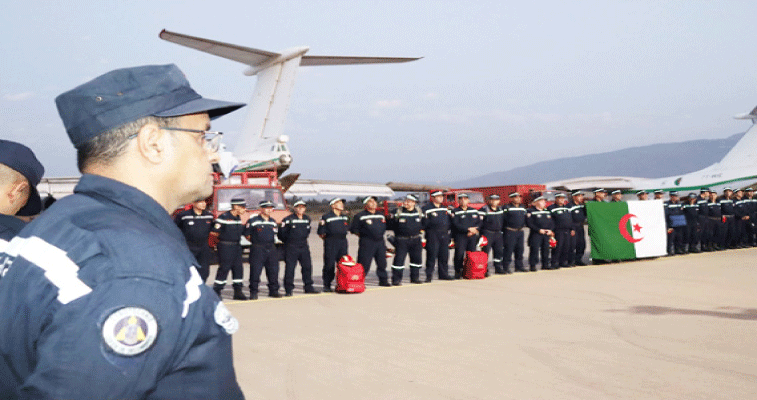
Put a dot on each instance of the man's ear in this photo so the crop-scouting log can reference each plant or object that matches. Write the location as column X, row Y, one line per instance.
column 19, row 192
column 152, row 143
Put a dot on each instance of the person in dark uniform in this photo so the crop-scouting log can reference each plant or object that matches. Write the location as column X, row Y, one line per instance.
column 436, row 225
column 715, row 223
column 563, row 230
column 578, row 213
column 616, row 196
column 225, row 236
column 115, row 308
column 515, row 221
column 370, row 226
column 407, row 224
column 195, row 224
column 675, row 221
column 465, row 224
column 20, row 173
column 642, row 195
column 294, row 233
column 540, row 224
column 492, row 223
column 333, row 229
column 692, row 232
column 599, row 195
column 729, row 222
column 704, row 221
column 752, row 212
column 261, row 231
column 741, row 217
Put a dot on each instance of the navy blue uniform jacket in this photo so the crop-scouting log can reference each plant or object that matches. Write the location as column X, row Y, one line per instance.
column 101, row 300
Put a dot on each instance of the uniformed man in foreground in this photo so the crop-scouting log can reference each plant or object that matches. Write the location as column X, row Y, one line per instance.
column 333, row 229
column 750, row 231
column 728, row 209
column 294, row 233
column 20, row 173
column 676, row 224
column 261, row 231
column 715, row 225
column 492, row 223
column 436, row 224
column 196, row 224
column 370, row 226
column 515, row 221
column 101, row 296
column 407, row 224
column 226, row 236
column 692, row 232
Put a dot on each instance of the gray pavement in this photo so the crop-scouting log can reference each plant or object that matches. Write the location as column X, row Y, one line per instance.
column 671, row 328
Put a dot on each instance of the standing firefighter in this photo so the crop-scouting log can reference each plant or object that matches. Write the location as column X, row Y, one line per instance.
column 465, row 224
column 436, row 224
column 515, row 221
column 407, row 225
column 101, row 296
column 225, row 236
column 578, row 212
column 196, row 224
column 491, row 227
column 261, row 231
column 370, row 226
column 20, row 173
column 333, row 229
column 540, row 224
column 294, row 232
column 563, row 223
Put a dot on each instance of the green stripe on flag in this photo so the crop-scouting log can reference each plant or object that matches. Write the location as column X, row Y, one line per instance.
column 607, row 241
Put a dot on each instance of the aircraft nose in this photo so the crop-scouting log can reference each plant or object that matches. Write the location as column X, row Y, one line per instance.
column 285, row 159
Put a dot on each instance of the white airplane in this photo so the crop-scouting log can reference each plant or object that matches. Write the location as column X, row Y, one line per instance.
column 738, row 169
column 262, row 146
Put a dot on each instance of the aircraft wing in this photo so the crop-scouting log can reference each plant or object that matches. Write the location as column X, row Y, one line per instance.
column 244, row 55
column 339, row 60
column 312, row 187
column 595, row 182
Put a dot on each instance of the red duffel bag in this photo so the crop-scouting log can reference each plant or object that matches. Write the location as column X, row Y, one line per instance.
column 475, row 265
column 350, row 277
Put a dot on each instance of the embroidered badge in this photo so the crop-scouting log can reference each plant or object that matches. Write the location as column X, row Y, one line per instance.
column 130, row 331
column 224, row 318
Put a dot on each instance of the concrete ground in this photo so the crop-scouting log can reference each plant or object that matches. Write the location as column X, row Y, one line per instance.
column 680, row 327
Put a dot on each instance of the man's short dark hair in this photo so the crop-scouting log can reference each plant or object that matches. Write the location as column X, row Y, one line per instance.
column 107, row 147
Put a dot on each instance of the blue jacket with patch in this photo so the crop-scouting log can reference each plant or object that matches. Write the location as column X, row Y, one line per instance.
column 101, row 300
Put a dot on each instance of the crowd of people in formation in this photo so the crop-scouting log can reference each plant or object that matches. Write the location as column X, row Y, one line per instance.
column 556, row 236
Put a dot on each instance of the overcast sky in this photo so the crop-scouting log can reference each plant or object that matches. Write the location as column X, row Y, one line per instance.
column 500, row 85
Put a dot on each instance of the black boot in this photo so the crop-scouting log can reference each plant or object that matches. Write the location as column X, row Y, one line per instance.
column 238, row 295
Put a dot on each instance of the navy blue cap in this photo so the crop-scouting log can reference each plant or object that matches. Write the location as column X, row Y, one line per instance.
column 538, row 198
column 616, row 192
column 727, row 188
column 461, row 195
column 299, row 203
column 22, row 160
column 436, row 193
column 493, row 197
column 560, row 195
column 704, row 190
column 659, row 191
column 600, row 190
column 238, row 201
column 369, row 198
column 577, row 193
column 125, row 95
column 749, row 189
column 265, row 204
column 335, row 200
column 514, row 194
column 640, row 192
column 692, row 195
column 411, row 197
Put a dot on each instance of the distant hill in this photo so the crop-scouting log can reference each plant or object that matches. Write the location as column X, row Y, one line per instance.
column 653, row 161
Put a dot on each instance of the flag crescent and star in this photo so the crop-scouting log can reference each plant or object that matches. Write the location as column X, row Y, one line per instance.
column 622, row 226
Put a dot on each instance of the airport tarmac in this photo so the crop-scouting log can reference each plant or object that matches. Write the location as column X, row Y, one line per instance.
column 682, row 327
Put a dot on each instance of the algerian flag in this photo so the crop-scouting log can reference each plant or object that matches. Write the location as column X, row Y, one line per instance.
column 627, row 230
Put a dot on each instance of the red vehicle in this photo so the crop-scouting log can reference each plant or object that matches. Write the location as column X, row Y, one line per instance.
column 251, row 186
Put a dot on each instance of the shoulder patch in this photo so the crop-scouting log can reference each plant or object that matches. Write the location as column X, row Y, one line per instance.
column 224, row 318
column 218, row 226
column 130, row 331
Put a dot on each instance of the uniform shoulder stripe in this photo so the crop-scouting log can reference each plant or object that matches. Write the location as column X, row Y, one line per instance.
column 59, row 269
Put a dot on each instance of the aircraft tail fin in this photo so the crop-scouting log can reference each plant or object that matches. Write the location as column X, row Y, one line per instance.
column 744, row 152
